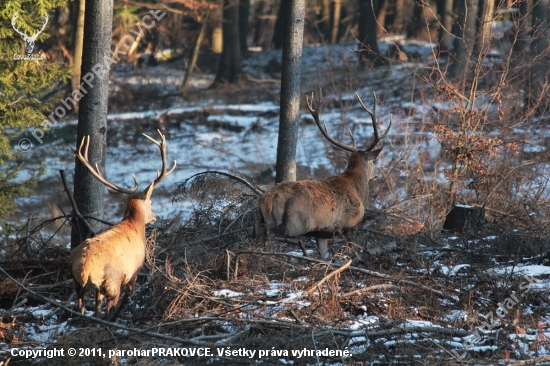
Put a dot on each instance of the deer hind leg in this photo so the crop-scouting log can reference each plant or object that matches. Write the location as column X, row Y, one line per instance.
column 80, row 296
column 98, row 303
column 111, row 304
column 322, row 246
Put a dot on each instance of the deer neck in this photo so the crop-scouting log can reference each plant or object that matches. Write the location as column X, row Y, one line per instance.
column 358, row 175
column 135, row 216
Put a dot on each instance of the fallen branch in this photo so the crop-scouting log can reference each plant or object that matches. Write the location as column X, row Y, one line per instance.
column 534, row 361
column 362, row 270
column 326, row 278
column 385, row 286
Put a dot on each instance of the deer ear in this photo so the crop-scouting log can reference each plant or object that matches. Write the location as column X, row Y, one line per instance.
column 371, row 155
column 119, row 196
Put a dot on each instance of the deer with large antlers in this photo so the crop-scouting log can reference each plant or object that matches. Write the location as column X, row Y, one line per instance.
column 322, row 208
column 112, row 259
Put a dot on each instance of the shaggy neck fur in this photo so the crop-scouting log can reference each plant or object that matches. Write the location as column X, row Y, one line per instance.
column 357, row 172
column 134, row 215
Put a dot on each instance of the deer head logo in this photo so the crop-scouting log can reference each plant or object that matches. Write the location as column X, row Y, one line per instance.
column 29, row 40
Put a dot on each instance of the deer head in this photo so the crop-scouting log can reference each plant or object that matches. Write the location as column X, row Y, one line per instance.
column 125, row 194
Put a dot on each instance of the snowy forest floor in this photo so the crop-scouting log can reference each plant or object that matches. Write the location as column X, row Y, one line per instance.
column 403, row 292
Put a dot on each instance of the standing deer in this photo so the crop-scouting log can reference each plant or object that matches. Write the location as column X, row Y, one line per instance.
column 321, row 208
column 112, row 259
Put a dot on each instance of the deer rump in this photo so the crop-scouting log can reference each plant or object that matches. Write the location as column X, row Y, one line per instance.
column 318, row 208
column 106, row 268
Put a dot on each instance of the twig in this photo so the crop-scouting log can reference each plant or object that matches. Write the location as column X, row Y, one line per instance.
column 385, row 286
column 101, row 321
column 239, row 179
column 534, row 361
column 326, row 278
column 73, row 203
column 366, row 271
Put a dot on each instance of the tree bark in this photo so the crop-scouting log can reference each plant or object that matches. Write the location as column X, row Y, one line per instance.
column 290, row 91
column 398, row 18
column 279, row 30
column 381, row 17
column 446, row 14
column 230, row 60
column 336, row 21
column 464, row 41
column 484, row 26
column 369, row 53
column 538, row 97
column 195, row 54
column 92, row 116
column 521, row 44
column 79, row 39
column 244, row 13
column 216, row 19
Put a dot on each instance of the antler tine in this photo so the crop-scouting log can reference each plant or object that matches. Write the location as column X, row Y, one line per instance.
column 15, row 16
column 85, row 143
column 162, row 146
column 372, row 113
column 324, row 131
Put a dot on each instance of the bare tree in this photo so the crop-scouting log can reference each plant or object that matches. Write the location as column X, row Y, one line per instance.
column 79, row 39
column 445, row 10
column 290, row 91
column 244, row 13
column 484, row 25
column 464, row 41
column 539, row 46
column 368, row 44
column 278, row 31
column 92, row 115
column 230, row 61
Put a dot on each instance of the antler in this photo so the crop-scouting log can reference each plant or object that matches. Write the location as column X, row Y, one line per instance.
column 375, row 127
column 163, row 174
column 43, row 26
column 15, row 27
column 95, row 171
column 315, row 115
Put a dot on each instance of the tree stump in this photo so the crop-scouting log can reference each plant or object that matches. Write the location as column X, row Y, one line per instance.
column 464, row 218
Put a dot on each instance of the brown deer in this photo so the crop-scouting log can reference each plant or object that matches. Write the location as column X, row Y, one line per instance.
column 113, row 258
column 322, row 208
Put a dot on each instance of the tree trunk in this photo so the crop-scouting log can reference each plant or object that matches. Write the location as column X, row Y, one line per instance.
column 92, row 116
column 464, row 41
column 336, row 21
column 369, row 52
column 521, row 44
column 79, row 37
column 230, row 60
column 398, row 18
column 484, row 26
column 445, row 9
column 195, row 54
column 424, row 20
column 217, row 33
column 381, row 17
column 290, row 91
column 539, row 67
column 278, row 32
column 325, row 20
column 244, row 13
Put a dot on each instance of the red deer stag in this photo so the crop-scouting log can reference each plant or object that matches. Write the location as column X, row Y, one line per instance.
column 112, row 259
column 321, row 208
